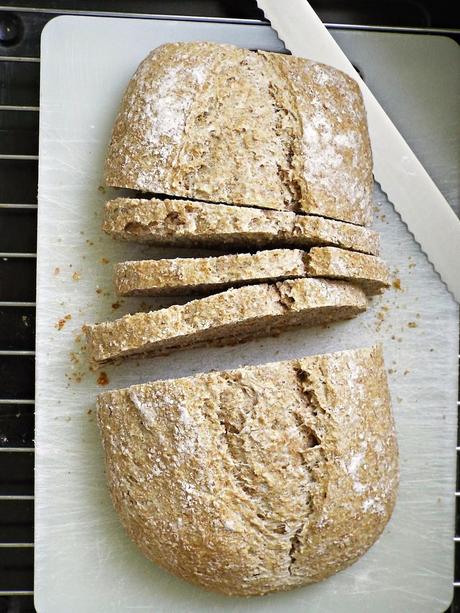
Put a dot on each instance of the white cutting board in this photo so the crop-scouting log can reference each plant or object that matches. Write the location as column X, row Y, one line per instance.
column 83, row 560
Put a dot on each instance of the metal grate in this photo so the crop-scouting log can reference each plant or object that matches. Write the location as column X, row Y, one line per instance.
column 20, row 30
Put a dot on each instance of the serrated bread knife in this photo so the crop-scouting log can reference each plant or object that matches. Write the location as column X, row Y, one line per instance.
column 402, row 177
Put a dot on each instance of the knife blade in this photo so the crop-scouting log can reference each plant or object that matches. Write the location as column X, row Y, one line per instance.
column 402, row 177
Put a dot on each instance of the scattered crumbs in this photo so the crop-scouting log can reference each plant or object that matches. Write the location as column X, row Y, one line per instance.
column 62, row 322
column 104, row 261
column 406, row 372
column 56, row 271
column 412, row 324
column 101, row 189
column 70, row 265
column 88, row 242
column 383, row 217
column 116, row 305
column 98, row 290
column 89, row 411
column 391, row 371
column 103, row 379
column 76, row 276
column 412, row 265
column 397, row 284
column 74, row 357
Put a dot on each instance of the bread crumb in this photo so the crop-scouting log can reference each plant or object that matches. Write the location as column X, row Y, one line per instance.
column 98, row 290
column 412, row 324
column 56, row 271
column 62, row 322
column 397, row 284
column 103, row 379
column 406, row 372
column 89, row 411
column 76, row 276
column 116, row 305
column 104, row 261
column 90, row 243
column 101, row 189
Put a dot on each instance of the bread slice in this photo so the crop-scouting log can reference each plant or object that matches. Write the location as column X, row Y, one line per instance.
column 229, row 317
column 184, row 223
column 222, row 124
column 259, row 479
column 369, row 272
column 205, row 275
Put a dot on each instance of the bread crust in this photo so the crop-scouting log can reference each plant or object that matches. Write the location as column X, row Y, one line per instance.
column 259, row 479
column 229, row 317
column 184, row 223
column 223, row 124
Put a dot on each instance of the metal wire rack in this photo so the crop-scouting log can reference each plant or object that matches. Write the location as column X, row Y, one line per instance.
column 19, row 109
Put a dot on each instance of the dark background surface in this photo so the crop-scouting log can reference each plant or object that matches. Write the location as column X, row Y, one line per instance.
column 19, row 85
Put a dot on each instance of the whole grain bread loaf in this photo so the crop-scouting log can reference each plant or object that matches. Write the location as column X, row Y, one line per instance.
column 226, row 318
column 185, row 223
column 223, row 124
column 259, row 479
column 184, row 276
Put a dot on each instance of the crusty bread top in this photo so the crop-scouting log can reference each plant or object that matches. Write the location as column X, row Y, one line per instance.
column 223, row 124
column 258, row 479
column 184, row 222
column 205, row 275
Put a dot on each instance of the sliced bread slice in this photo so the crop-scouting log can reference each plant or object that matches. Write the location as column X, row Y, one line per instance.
column 226, row 318
column 183, row 223
column 182, row 276
column 258, row 479
column 369, row 272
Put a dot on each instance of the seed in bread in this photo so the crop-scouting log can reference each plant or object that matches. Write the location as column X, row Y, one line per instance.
column 182, row 276
column 182, row 223
column 229, row 317
column 223, row 124
column 259, row 479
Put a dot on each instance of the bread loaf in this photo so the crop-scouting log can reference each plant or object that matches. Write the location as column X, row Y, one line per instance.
column 185, row 223
column 226, row 318
column 205, row 275
column 223, row 124
column 259, row 479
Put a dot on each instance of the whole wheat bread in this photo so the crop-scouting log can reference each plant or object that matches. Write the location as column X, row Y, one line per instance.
column 259, row 479
column 223, row 124
column 183, row 276
column 225, row 318
column 184, row 223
